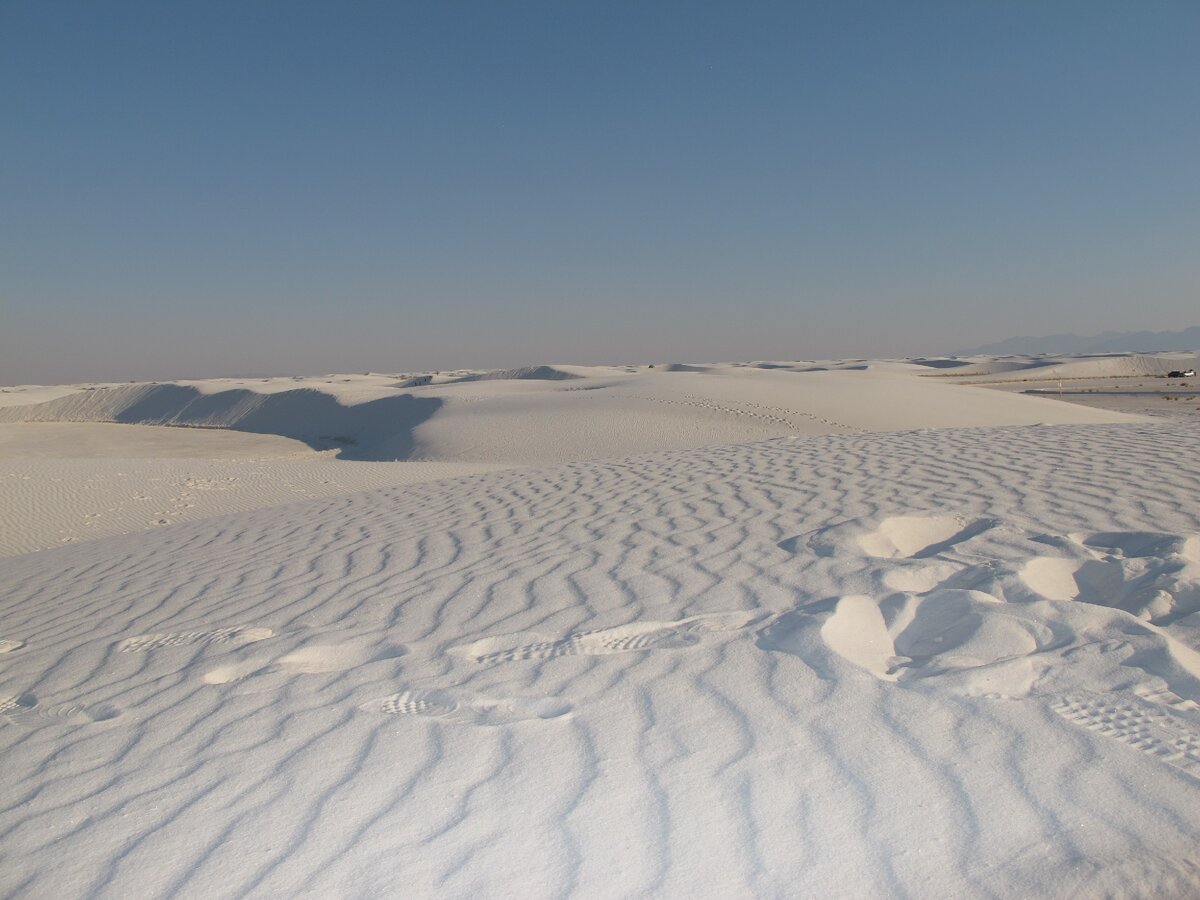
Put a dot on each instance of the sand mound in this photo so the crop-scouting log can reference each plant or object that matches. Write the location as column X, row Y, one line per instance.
column 909, row 535
column 1153, row 576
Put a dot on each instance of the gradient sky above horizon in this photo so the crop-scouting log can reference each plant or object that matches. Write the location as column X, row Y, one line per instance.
column 215, row 188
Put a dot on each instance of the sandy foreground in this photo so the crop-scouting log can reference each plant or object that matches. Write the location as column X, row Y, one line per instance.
column 825, row 629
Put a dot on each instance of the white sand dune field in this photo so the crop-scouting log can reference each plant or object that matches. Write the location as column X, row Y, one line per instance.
column 774, row 630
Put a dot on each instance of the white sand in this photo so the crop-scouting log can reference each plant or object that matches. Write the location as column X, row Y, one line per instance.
column 899, row 658
column 62, row 483
column 514, row 418
column 67, row 475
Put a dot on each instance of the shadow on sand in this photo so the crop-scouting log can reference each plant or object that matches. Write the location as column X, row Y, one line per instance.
column 377, row 430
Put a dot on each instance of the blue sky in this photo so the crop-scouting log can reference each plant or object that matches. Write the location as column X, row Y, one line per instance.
column 213, row 188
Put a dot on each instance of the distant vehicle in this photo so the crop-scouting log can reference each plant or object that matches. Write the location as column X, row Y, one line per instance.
column 1186, row 373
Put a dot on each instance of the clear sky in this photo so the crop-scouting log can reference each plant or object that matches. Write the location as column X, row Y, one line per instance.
column 206, row 188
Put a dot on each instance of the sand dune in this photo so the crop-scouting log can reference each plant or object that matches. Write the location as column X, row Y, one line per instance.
column 544, row 414
column 69, row 474
column 824, row 657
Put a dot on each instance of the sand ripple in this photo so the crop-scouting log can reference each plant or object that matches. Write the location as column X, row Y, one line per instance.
column 934, row 664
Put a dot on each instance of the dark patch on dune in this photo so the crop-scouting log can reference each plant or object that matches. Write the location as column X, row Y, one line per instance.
column 415, row 381
column 526, row 373
column 941, row 363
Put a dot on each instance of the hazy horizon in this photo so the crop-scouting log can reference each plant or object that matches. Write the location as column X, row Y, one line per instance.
column 1004, row 347
column 304, row 187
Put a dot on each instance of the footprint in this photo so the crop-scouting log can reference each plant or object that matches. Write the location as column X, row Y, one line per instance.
column 314, row 659
column 7, row 646
column 236, row 636
column 25, row 710
column 19, row 704
column 897, row 537
column 920, row 578
column 321, row 658
column 74, row 712
column 625, row 639
column 635, row 637
column 449, row 706
column 1137, row 723
column 236, row 672
column 1164, row 696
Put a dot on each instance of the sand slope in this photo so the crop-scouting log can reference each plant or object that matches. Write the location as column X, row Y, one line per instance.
column 936, row 663
column 64, row 483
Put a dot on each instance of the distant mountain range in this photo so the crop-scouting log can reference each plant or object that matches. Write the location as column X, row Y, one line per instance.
column 1107, row 342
